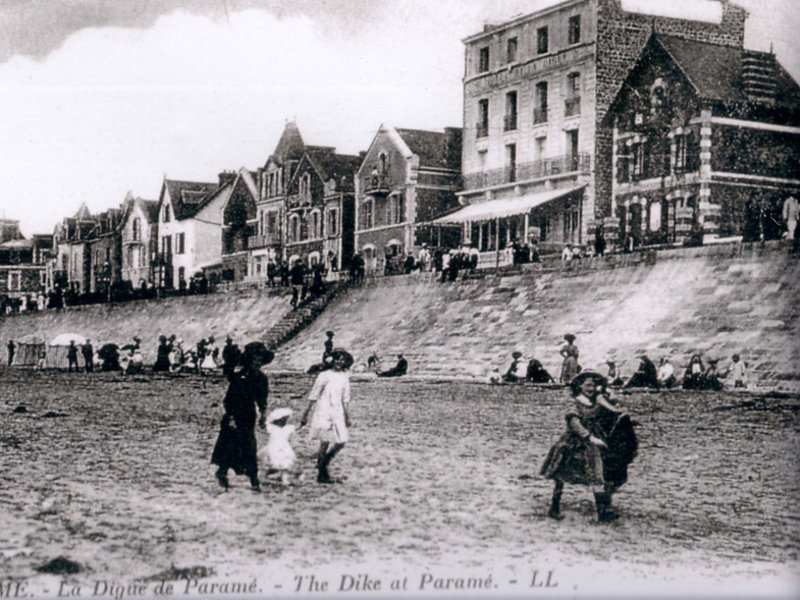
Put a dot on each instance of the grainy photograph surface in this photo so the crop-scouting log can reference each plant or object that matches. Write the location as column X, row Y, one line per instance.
column 358, row 299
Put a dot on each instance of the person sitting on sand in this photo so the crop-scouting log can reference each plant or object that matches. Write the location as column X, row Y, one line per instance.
column 515, row 371
column 710, row 379
column 400, row 369
column 737, row 372
column 614, row 373
column 645, row 376
column 666, row 373
column 536, row 373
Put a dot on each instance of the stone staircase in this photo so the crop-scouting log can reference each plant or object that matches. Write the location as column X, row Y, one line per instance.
column 296, row 320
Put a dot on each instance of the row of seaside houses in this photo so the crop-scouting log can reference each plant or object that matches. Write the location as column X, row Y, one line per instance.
column 580, row 120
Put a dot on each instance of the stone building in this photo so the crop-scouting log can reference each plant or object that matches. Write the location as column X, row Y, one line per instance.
column 706, row 143
column 239, row 225
column 69, row 268
column 139, row 230
column 23, row 264
column 536, row 91
column 104, row 252
column 408, row 177
column 319, row 208
column 267, row 243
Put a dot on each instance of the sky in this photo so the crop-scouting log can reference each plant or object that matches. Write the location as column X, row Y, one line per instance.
column 102, row 97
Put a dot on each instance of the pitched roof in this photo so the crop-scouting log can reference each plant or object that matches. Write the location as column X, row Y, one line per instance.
column 151, row 210
column 339, row 167
column 430, row 146
column 718, row 72
column 83, row 213
column 290, row 145
column 188, row 197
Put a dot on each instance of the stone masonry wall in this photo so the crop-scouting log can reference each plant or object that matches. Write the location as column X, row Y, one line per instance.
column 620, row 39
column 714, row 300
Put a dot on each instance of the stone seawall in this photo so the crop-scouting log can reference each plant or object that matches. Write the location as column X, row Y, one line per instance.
column 246, row 315
column 716, row 300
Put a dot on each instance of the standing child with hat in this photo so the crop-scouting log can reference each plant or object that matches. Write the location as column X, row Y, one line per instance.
column 596, row 449
column 278, row 454
column 329, row 398
column 569, row 368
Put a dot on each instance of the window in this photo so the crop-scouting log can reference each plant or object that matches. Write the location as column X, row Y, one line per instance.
column 540, row 107
column 482, row 126
column 14, row 281
column 294, row 228
column 166, row 218
column 395, row 209
column 541, row 148
column 572, row 105
column 367, row 216
column 572, row 150
column 315, row 225
column 510, row 121
column 180, row 240
column 483, row 59
column 574, row 33
column 511, row 50
column 511, row 163
column 136, row 230
column 684, row 153
column 637, row 162
column 541, row 41
column 333, row 222
column 305, row 187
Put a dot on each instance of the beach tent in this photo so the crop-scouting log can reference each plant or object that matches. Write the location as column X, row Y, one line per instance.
column 59, row 346
column 28, row 350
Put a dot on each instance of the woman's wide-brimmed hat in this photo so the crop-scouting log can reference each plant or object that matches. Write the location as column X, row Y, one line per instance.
column 278, row 414
column 341, row 352
column 257, row 350
column 570, row 337
column 576, row 382
column 516, row 354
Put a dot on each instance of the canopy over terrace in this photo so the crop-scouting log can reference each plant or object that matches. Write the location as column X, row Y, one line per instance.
column 492, row 211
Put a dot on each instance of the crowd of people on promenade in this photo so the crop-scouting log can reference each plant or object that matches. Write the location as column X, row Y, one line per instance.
column 696, row 375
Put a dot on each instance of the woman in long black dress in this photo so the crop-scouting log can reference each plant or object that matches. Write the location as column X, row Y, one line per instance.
column 236, row 446
column 596, row 449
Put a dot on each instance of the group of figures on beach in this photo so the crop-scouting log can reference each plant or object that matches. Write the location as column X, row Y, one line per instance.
column 597, row 447
column 696, row 375
column 245, row 405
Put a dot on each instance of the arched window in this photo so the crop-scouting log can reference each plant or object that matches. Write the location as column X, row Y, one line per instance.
column 294, row 228
column 315, row 225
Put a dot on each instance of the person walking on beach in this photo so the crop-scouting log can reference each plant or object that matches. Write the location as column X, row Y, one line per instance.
column 569, row 368
column 162, row 354
column 596, row 449
column 236, row 446
column 72, row 357
column 11, row 347
column 330, row 397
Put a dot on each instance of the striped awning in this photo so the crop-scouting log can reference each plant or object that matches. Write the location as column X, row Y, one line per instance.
column 505, row 207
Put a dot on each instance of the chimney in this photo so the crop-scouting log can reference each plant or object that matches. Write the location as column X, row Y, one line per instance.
column 758, row 77
column 226, row 177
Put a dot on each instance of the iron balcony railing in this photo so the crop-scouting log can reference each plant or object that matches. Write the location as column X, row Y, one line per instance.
column 377, row 184
column 481, row 130
column 547, row 167
column 509, row 122
column 539, row 115
column 262, row 241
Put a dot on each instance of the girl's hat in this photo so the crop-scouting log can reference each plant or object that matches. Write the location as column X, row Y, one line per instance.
column 278, row 414
column 516, row 354
column 575, row 384
column 341, row 352
column 569, row 337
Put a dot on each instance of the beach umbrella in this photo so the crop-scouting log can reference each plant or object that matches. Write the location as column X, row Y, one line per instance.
column 32, row 340
column 107, row 350
column 64, row 339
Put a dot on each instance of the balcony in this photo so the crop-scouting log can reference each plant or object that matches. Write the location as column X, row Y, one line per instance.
column 510, row 122
column 540, row 115
column 548, row 167
column 572, row 106
column 262, row 241
column 481, row 130
column 377, row 184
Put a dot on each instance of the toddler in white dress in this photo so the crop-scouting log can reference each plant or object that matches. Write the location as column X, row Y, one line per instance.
column 278, row 455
